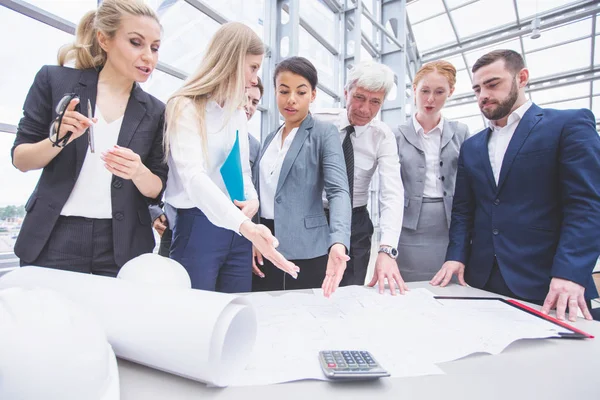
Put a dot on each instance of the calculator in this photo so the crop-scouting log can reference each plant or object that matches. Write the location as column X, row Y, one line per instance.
column 346, row 364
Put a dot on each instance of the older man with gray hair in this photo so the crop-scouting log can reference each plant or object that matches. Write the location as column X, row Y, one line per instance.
column 369, row 144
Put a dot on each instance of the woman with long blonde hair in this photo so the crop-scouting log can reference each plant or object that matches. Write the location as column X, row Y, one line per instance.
column 97, row 136
column 206, row 124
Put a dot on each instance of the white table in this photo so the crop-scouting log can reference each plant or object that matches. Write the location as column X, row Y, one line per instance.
column 528, row 369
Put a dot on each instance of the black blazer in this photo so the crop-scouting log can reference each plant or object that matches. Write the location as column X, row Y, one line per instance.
column 141, row 131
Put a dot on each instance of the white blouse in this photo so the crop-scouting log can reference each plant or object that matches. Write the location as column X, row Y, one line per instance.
column 91, row 196
column 432, row 143
column 270, row 169
column 195, row 181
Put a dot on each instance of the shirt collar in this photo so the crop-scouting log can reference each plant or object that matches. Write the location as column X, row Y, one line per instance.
column 514, row 117
column 358, row 130
column 213, row 105
column 419, row 128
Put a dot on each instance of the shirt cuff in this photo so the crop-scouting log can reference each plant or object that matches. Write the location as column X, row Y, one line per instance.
column 389, row 239
column 237, row 219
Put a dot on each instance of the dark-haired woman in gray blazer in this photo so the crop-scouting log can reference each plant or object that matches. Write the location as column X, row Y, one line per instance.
column 297, row 162
column 428, row 147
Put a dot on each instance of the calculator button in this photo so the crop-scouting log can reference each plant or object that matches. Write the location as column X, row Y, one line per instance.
column 331, row 365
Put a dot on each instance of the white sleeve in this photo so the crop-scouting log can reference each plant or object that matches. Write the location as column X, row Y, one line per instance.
column 391, row 190
column 188, row 158
column 249, row 190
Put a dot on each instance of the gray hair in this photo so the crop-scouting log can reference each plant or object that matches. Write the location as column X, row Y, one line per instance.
column 372, row 76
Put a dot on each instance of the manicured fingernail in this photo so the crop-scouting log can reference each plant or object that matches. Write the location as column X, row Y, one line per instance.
column 261, row 263
column 262, row 275
column 275, row 243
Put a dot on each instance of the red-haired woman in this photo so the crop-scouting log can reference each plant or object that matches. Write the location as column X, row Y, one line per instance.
column 428, row 146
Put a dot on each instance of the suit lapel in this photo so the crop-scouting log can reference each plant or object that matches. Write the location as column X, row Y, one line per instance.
column 294, row 149
column 485, row 157
column 134, row 113
column 265, row 145
column 529, row 120
column 87, row 89
column 411, row 135
column 447, row 133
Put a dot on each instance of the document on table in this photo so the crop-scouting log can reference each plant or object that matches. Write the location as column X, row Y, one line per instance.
column 407, row 334
column 196, row 334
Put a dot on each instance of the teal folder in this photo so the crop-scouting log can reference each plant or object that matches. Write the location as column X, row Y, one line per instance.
column 231, row 172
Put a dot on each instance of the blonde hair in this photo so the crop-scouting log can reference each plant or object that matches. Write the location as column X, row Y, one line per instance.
column 442, row 67
column 86, row 51
column 219, row 77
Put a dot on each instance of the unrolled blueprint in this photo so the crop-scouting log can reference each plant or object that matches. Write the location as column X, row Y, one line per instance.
column 409, row 335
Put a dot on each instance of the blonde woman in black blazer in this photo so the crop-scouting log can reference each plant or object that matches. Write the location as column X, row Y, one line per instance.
column 89, row 210
column 428, row 148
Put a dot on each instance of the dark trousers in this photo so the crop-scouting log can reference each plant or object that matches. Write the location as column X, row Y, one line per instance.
column 216, row 259
column 497, row 284
column 360, row 248
column 165, row 242
column 80, row 244
column 312, row 272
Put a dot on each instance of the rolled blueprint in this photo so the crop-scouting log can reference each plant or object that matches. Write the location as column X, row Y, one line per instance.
column 205, row 336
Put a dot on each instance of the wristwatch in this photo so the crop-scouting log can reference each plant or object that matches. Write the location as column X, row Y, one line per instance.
column 390, row 251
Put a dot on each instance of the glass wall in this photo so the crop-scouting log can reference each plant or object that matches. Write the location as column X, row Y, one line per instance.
column 563, row 61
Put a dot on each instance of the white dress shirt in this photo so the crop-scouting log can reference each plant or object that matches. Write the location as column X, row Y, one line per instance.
column 270, row 169
column 91, row 196
column 374, row 146
column 501, row 136
column 195, row 181
column 431, row 142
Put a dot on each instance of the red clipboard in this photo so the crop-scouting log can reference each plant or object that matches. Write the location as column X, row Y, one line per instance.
column 573, row 334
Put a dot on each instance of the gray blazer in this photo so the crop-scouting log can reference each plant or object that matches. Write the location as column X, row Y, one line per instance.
column 314, row 162
column 254, row 149
column 412, row 161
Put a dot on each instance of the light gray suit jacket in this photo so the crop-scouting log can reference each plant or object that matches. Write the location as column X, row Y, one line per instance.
column 412, row 161
column 314, row 162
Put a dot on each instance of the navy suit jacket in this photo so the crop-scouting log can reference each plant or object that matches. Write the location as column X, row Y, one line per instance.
column 542, row 219
column 141, row 131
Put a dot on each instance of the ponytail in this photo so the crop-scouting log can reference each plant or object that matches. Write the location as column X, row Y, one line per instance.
column 85, row 51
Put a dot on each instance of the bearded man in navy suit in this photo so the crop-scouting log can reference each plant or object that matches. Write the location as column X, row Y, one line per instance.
column 526, row 211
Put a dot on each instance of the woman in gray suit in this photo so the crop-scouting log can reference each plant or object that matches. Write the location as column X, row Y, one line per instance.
column 428, row 147
column 299, row 160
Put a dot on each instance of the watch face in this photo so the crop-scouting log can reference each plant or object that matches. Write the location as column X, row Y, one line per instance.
column 394, row 252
